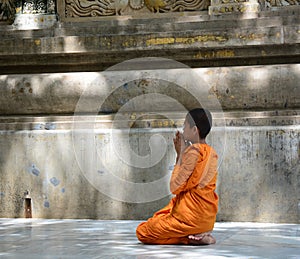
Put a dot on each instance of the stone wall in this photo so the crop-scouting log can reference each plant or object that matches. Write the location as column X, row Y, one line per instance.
column 77, row 166
column 86, row 135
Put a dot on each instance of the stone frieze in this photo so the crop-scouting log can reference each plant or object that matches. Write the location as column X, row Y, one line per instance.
column 93, row 8
column 100, row 8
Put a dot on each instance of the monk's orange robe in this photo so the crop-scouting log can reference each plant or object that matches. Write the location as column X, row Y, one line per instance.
column 194, row 208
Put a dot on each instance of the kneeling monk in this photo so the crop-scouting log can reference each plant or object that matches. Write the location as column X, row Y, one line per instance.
column 190, row 215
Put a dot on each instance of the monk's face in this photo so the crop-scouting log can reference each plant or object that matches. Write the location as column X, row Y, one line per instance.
column 188, row 131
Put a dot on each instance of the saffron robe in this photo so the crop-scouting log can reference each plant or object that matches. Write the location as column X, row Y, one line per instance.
column 194, row 208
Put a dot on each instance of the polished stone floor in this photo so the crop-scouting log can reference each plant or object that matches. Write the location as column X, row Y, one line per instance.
column 40, row 238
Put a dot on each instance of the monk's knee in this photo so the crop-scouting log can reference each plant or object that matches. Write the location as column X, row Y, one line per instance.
column 140, row 232
column 143, row 235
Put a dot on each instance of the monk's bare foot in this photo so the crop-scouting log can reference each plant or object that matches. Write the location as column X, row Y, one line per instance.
column 202, row 239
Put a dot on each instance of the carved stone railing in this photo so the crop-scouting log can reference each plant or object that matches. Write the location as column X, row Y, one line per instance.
column 7, row 11
column 9, row 8
column 38, row 7
column 28, row 13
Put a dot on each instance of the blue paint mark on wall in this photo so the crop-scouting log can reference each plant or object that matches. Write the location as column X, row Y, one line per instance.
column 34, row 170
column 50, row 126
column 38, row 126
column 63, row 190
column 2, row 194
column 54, row 181
column 46, row 204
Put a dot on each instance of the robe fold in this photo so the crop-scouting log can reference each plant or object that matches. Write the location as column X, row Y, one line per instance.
column 194, row 207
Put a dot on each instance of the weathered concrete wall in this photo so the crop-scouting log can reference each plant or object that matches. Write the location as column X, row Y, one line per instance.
column 78, row 167
column 236, row 88
column 44, row 163
column 99, row 145
column 258, row 174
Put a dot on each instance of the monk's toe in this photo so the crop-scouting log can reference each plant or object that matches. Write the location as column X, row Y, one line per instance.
column 206, row 240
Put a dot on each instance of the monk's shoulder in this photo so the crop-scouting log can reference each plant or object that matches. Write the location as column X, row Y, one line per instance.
column 213, row 153
column 193, row 149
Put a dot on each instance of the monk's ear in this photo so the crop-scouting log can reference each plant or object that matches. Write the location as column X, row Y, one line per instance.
column 196, row 131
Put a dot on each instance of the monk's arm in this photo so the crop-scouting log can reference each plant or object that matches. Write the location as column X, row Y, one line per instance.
column 183, row 170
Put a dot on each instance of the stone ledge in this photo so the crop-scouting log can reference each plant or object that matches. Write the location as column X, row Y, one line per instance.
column 209, row 38
column 200, row 57
column 149, row 121
column 244, row 88
column 195, row 41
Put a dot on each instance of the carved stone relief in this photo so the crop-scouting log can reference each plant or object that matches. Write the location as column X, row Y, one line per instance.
column 98, row 8
column 93, row 8
column 271, row 3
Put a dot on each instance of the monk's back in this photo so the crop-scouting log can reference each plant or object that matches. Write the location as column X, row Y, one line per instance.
column 198, row 205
